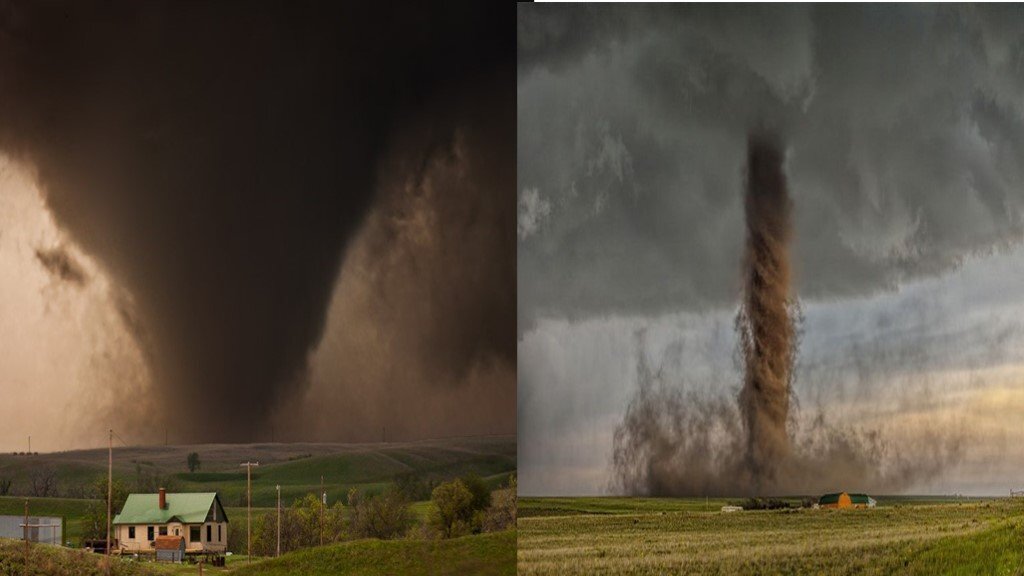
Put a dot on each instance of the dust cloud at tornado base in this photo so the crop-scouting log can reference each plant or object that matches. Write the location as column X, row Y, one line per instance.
column 673, row 443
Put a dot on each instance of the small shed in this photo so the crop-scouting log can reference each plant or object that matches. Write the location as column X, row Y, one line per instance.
column 169, row 548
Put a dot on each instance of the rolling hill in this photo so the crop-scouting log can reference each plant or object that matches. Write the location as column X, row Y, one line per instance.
column 296, row 467
column 481, row 555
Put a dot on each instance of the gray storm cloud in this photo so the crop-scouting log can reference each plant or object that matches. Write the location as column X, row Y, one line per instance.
column 904, row 127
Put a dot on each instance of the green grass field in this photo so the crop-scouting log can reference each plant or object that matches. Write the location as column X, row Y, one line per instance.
column 296, row 467
column 483, row 555
column 903, row 535
column 46, row 560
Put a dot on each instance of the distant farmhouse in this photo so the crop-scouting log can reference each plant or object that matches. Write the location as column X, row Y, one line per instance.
column 846, row 500
column 193, row 523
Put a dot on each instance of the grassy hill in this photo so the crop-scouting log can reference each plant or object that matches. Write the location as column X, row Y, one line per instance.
column 296, row 467
column 46, row 560
column 481, row 555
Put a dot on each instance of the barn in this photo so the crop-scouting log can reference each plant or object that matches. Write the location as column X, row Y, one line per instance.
column 169, row 548
column 198, row 519
column 846, row 500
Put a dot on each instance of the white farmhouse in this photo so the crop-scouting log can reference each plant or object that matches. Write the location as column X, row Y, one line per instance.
column 198, row 518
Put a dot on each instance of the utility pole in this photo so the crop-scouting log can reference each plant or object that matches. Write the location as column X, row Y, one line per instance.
column 26, row 526
column 110, row 492
column 323, row 498
column 26, row 536
column 278, row 519
column 30, row 445
column 248, row 509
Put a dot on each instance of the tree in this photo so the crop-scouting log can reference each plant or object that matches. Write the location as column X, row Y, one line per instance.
column 502, row 513
column 5, row 486
column 94, row 525
column 193, row 461
column 149, row 481
column 44, row 482
column 413, row 486
column 478, row 488
column 454, row 504
column 300, row 527
column 383, row 516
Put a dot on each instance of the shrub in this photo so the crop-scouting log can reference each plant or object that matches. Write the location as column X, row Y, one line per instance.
column 382, row 516
column 502, row 513
column 454, row 504
column 764, row 504
column 300, row 527
column 414, row 487
column 478, row 488
column 193, row 461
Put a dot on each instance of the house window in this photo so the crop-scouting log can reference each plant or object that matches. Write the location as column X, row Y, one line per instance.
column 219, row 537
column 149, row 533
column 131, row 532
column 163, row 530
column 209, row 533
column 193, row 533
column 177, row 532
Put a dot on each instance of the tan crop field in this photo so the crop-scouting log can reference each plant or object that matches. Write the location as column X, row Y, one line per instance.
column 908, row 536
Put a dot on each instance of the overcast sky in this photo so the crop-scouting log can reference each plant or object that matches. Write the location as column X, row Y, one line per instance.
column 903, row 128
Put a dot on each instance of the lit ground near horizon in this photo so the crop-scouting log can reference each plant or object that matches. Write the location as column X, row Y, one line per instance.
column 907, row 535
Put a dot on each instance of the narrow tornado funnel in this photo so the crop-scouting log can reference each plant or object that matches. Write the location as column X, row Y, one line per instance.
column 765, row 324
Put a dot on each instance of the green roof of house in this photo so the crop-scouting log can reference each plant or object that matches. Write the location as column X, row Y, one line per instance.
column 859, row 498
column 184, row 507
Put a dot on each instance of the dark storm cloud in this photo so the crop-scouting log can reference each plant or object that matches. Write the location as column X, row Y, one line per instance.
column 903, row 128
column 217, row 157
column 425, row 304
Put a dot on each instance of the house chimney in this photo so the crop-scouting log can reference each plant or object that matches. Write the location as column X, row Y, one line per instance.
column 163, row 499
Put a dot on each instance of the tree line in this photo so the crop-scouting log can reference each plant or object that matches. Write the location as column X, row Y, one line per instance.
column 460, row 507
